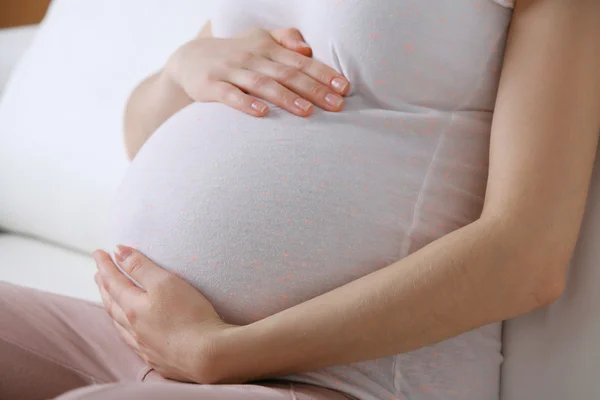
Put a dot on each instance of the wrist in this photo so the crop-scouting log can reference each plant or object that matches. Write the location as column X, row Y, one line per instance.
column 232, row 356
column 170, row 73
column 169, row 86
column 218, row 356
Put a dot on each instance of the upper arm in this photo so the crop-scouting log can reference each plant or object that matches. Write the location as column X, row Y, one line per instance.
column 545, row 127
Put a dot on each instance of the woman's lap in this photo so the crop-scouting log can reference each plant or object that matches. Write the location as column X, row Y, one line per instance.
column 52, row 344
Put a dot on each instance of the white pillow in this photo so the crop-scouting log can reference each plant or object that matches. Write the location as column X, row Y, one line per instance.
column 61, row 147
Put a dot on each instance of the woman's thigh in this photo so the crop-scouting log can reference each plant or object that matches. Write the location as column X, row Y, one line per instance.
column 186, row 391
column 50, row 344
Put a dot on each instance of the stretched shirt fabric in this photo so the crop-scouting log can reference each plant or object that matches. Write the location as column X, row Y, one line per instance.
column 261, row 214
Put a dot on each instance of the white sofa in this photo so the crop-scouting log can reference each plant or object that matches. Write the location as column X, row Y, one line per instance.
column 36, row 261
column 61, row 159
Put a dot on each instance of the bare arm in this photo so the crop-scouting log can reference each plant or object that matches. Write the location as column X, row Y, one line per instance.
column 509, row 262
column 155, row 100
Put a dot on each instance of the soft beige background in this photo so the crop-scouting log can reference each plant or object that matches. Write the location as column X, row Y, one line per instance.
column 22, row 12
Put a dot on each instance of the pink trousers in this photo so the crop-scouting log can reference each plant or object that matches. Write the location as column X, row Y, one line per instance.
column 53, row 346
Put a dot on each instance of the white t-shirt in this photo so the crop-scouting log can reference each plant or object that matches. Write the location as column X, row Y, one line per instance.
column 263, row 213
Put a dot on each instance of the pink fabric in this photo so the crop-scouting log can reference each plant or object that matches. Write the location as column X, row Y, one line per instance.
column 53, row 345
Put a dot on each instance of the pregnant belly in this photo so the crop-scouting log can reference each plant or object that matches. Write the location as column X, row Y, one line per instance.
column 262, row 214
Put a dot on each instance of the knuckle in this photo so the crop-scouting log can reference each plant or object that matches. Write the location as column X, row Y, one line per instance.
column 210, row 75
column 318, row 91
column 265, row 45
column 130, row 314
column 136, row 264
column 260, row 81
column 222, row 92
column 288, row 74
column 165, row 284
column 300, row 62
column 322, row 75
column 287, row 99
column 235, row 99
column 241, row 58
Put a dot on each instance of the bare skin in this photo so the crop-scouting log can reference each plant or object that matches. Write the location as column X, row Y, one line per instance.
column 274, row 66
column 509, row 262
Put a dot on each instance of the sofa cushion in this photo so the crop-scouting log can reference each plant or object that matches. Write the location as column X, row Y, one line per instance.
column 41, row 265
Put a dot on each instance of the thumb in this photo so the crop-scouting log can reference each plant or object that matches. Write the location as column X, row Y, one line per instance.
column 292, row 39
column 139, row 267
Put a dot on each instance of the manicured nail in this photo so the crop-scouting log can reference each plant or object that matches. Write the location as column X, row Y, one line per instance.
column 302, row 104
column 258, row 106
column 334, row 99
column 122, row 252
column 339, row 84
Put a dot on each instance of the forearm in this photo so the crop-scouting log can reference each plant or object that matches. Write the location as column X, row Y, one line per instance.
column 469, row 278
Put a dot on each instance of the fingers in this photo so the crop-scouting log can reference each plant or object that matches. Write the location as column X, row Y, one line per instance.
column 313, row 68
column 269, row 89
column 292, row 39
column 112, row 308
column 120, row 289
column 140, row 268
column 232, row 96
column 128, row 338
column 298, row 82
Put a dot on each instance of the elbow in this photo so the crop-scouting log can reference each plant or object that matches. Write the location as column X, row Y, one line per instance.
column 550, row 289
column 543, row 281
column 533, row 262
column 556, row 282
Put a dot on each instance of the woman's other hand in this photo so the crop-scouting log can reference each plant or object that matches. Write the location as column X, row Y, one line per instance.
column 169, row 323
column 275, row 66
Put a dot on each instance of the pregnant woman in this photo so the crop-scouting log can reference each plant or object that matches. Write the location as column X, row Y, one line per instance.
column 344, row 210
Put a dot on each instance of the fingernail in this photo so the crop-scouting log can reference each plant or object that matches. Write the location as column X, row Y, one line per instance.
column 122, row 252
column 339, row 84
column 97, row 279
column 302, row 104
column 258, row 106
column 334, row 99
column 303, row 44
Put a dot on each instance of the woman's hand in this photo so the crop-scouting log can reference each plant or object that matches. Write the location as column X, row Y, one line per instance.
column 274, row 66
column 169, row 324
